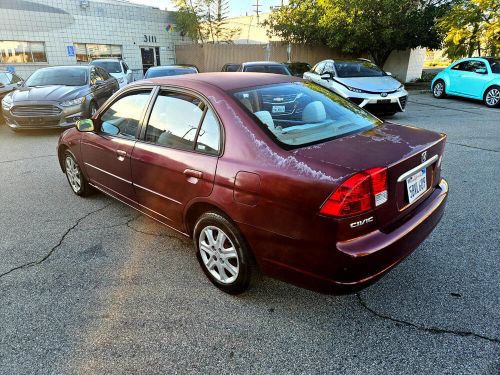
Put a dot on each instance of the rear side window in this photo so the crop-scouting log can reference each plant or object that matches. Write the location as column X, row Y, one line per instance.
column 209, row 136
column 124, row 115
column 174, row 120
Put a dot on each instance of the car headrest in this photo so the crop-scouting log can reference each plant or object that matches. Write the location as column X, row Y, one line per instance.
column 266, row 118
column 314, row 112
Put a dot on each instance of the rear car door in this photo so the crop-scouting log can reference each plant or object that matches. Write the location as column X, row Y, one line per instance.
column 106, row 152
column 175, row 160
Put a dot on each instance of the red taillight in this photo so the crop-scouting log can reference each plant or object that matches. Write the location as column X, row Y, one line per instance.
column 358, row 194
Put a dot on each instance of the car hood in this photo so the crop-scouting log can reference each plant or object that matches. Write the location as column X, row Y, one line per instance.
column 376, row 84
column 49, row 93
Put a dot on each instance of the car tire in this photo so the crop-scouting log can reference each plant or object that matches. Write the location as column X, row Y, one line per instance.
column 92, row 109
column 77, row 180
column 225, row 260
column 439, row 89
column 492, row 97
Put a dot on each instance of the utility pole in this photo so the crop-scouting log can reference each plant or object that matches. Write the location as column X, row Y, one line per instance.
column 257, row 10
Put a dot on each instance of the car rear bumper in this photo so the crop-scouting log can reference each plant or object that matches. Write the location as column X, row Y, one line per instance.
column 352, row 265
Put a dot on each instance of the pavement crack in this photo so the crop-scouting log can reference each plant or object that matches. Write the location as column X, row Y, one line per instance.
column 55, row 247
column 129, row 222
column 433, row 330
column 34, row 157
column 477, row 148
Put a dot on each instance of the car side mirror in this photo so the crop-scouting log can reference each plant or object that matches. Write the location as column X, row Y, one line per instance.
column 388, row 73
column 86, row 125
column 480, row 71
column 327, row 76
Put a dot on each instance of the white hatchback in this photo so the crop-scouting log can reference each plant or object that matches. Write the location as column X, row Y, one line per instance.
column 362, row 82
column 116, row 68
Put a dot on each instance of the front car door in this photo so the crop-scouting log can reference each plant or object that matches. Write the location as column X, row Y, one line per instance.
column 106, row 152
column 473, row 82
column 176, row 158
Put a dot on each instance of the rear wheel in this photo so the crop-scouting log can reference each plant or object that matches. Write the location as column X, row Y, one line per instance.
column 438, row 91
column 222, row 253
column 76, row 179
column 492, row 96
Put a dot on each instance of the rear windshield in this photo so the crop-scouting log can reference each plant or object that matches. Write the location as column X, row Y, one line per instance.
column 276, row 69
column 152, row 73
column 347, row 69
column 495, row 66
column 63, row 77
column 109, row 66
column 303, row 113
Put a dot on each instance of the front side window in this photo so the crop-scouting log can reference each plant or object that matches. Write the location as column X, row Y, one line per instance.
column 303, row 113
column 347, row 69
column 76, row 76
column 174, row 120
column 124, row 115
column 318, row 68
column 18, row 52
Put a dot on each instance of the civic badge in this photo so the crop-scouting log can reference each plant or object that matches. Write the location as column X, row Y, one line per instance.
column 424, row 156
column 383, row 94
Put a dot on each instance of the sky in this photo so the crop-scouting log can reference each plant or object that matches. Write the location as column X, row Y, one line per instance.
column 236, row 7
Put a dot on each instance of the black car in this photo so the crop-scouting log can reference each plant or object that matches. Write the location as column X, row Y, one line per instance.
column 170, row 70
column 264, row 67
column 57, row 97
column 298, row 68
column 231, row 67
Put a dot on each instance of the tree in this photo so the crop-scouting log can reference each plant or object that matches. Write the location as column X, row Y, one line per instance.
column 470, row 26
column 359, row 26
column 205, row 20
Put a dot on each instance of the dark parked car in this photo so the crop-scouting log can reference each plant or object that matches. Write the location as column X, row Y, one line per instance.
column 298, row 68
column 170, row 70
column 57, row 97
column 330, row 200
column 264, row 67
column 230, row 67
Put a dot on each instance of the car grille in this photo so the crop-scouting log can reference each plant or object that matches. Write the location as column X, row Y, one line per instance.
column 36, row 122
column 35, row 110
column 403, row 101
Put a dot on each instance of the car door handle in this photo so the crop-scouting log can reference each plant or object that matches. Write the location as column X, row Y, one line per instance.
column 121, row 155
column 191, row 173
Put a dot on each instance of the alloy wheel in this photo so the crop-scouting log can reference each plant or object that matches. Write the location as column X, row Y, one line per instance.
column 73, row 173
column 218, row 254
column 438, row 89
column 493, row 97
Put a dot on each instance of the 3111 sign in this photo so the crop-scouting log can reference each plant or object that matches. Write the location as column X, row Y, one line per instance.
column 149, row 38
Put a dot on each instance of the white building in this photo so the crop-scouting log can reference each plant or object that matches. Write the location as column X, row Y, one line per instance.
column 39, row 33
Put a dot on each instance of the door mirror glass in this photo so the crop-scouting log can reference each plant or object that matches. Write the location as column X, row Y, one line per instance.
column 86, row 125
column 480, row 70
column 109, row 128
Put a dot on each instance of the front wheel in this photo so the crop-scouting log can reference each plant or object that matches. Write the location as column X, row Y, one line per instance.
column 222, row 253
column 438, row 91
column 492, row 96
column 76, row 179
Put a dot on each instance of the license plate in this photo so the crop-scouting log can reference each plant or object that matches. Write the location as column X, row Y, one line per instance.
column 416, row 185
column 278, row 108
column 383, row 101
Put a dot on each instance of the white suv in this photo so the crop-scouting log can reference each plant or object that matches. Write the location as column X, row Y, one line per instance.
column 117, row 68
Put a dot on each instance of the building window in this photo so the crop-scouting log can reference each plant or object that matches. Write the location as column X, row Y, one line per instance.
column 88, row 51
column 17, row 52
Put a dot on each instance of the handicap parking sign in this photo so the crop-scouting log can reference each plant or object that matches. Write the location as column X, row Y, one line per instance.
column 71, row 51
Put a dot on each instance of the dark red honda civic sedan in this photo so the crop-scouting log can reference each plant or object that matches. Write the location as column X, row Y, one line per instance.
column 264, row 168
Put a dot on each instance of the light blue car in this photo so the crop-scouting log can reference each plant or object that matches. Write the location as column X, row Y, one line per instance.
column 474, row 77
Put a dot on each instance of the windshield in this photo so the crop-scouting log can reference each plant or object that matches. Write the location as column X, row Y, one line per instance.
column 152, row 73
column 495, row 66
column 276, row 69
column 109, row 66
column 62, row 77
column 346, row 69
column 303, row 113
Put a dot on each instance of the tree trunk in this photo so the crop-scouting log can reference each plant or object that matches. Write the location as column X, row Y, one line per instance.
column 380, row 57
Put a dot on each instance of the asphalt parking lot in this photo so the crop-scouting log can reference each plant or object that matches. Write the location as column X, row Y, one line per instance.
column 89, row 286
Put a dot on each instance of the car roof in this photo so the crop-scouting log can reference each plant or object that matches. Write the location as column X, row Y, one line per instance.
column 105, row 60
column 223, row 80
column 87, row 67
column 173, row 66
column 262, row 63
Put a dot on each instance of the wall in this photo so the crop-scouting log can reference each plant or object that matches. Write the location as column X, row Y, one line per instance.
column 60, row 23
column 406, row 65
column 211, row 57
